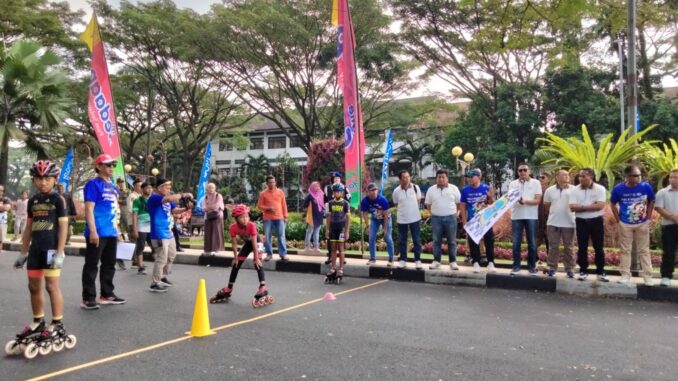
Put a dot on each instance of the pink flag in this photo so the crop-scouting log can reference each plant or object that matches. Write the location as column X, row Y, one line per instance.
column 354, row 145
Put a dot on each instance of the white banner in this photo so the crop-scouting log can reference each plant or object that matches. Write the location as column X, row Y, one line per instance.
column 486, row 218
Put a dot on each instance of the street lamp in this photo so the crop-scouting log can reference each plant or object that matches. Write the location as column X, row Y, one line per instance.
column 462, row 164
column 155, row 171
column 128, row 168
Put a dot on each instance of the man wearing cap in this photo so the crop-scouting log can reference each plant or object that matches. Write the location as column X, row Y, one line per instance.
column 161, row 206
column 101, row 233
column 374, row 208
column 475, row 197
column 442, row 201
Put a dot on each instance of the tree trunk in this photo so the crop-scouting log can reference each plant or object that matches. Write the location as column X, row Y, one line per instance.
column 645, row 79
column 4, row 157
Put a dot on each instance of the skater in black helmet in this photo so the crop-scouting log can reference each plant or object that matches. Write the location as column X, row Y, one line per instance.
column 336, row 230
column 246, row 230
column 46, row 230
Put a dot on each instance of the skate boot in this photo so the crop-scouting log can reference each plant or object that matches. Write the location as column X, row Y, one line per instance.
column 222, row 295
column 29, row 334
column 261, row 298
column 331, row 276
column 52, row 338
column 340, row 275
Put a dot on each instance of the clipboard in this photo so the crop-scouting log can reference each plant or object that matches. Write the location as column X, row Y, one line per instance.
column 125, row 250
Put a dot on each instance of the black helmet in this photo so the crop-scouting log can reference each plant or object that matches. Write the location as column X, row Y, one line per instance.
column 338, row 187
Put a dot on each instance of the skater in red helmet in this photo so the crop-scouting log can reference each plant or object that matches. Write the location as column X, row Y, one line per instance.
column 246, row 230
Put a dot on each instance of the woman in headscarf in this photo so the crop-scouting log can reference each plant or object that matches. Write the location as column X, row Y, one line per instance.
column 315, row 214
column 213, row 205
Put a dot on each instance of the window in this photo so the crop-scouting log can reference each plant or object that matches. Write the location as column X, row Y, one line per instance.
column 223, row 162
column 225, row 146
column 257, row 143
column 224, row 172
column 240, row 162
column 277, row 142
column 295, row 142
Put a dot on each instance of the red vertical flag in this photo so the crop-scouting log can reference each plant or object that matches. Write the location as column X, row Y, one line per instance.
column 354, row 145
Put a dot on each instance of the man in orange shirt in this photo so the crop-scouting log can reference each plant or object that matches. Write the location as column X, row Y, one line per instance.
column 274, row 206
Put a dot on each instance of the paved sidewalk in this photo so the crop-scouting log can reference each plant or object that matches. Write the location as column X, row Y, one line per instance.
column 356, row 267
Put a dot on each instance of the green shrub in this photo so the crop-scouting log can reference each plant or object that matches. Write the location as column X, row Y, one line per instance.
column 79, row 228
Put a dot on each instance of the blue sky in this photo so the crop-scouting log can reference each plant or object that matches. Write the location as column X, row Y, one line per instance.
column 200, row 6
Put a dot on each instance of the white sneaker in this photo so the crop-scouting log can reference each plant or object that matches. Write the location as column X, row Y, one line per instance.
column 476, row 267
column 625, row 280
column 434, row 265
column 665, row 282
column 417, row 265
column 454, row 266
column 402, row 264
column 648, row 281
column 490, row 268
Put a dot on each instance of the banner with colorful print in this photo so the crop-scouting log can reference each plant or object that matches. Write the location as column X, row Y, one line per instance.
column 388, row 152
column 204, row 178
column 100, row 108
column 486, row 218
column 354, row 141
column 67, row 171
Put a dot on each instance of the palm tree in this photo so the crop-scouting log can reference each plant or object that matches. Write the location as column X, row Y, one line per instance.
column 417, row 153
column 255, row 170
column 662, row 161
column 32, row 101
column 608, row 159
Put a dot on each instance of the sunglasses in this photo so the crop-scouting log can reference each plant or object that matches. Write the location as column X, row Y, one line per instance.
column 109, row 165
column 634, row 175
column 522, row 170
column 542, row 177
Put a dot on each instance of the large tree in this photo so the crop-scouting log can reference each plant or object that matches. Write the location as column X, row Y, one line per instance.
column 32, row 98
column 279, row 57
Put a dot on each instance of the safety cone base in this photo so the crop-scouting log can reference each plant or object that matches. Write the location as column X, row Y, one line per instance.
column 202, row 334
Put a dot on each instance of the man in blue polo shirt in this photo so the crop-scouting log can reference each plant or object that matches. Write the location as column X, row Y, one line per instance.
column 374, row 208
column 161, row 206
column 101, row 233
column 636, row 201
column 475, row 197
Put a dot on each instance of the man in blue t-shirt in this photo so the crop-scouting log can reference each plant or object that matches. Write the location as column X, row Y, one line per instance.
column 161, row 206
column 101, row 233
column 475, row 197
column 636, row 201
column 374, row 208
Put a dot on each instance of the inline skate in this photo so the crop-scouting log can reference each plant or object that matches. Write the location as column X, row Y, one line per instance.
column 23, row 338
column 331, row 276
column 222, row 295
column 261, row 298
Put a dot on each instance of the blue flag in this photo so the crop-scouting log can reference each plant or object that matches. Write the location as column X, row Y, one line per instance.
column 388, row 152
column 204, row 178
column 67, row 170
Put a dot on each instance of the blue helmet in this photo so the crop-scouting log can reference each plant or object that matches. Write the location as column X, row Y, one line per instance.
column 338, row 187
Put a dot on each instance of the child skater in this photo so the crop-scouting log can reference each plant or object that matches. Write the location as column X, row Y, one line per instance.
column 46, row 230
column 336, row 230
column 246, row 230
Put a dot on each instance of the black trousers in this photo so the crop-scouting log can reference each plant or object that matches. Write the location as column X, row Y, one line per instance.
column 240, row 259
column 106, row 253
column 488, row 238
column 590, row 228
column 669, row 244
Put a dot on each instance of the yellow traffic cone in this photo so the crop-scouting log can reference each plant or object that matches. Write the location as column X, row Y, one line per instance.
column 201, row 319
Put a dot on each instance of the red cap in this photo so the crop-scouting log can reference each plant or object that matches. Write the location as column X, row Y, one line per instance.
column 105, row 159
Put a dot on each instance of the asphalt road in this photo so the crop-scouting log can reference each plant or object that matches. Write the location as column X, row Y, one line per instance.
column 392, row 330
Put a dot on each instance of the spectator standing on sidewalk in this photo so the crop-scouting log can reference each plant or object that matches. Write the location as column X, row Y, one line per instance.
column 667, row 207
column 20, row 215
column 524, row 216
column 542, row 233
column 141, row 225
column 636, row 202
column 560, row 224
column 407, row 197
column 101, row 234
column 314, row 203
column 374, row 208
column 274, row 206
column 5, row 206
column 587, row 201
column 213, row 205
column 475, row 197
column 442, row 200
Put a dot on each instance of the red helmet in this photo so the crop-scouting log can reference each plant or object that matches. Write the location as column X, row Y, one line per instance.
column 240, row 210
column 44, row 168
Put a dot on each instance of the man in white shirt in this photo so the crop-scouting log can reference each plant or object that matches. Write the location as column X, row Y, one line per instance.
column 406, row 197
column 443, row 201
column 524, row 216
column 560, row 223
column 666, row 205
column 587, row 201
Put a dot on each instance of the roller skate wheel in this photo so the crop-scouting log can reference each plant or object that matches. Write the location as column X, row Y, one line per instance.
column 70, row 341
column 59, row 345
column 45, row 349
column 31, row 351
column 269, row 299
column 255, row 303
column 12, row 348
